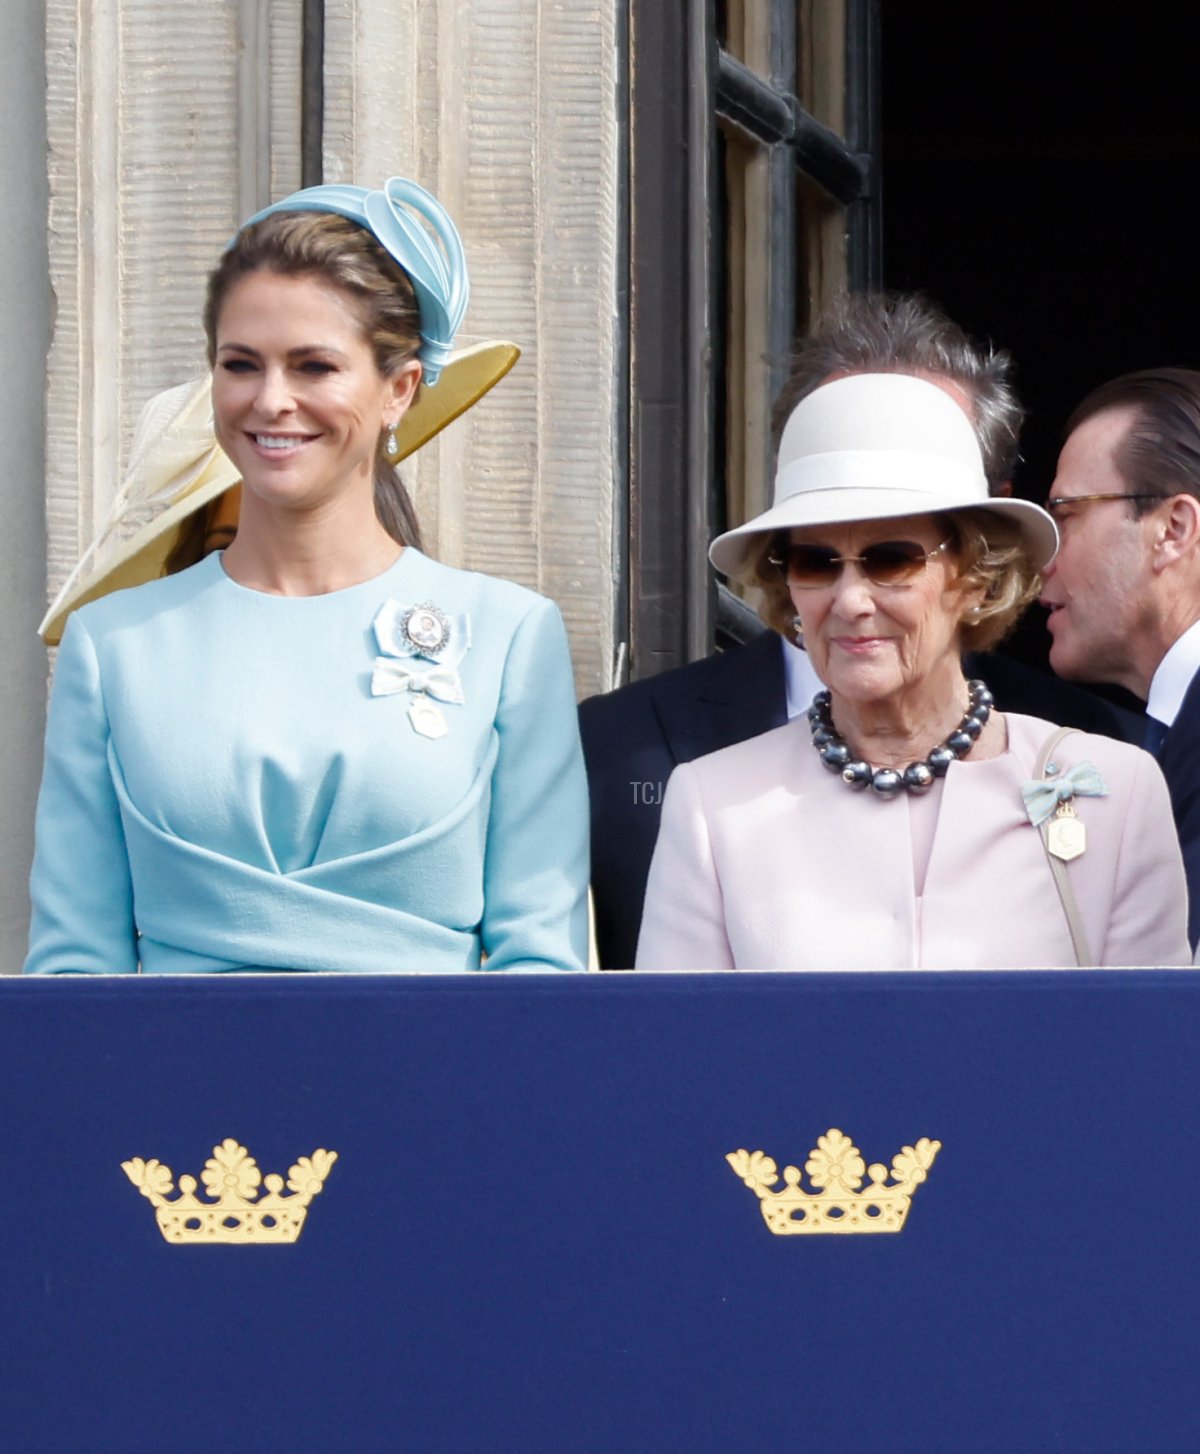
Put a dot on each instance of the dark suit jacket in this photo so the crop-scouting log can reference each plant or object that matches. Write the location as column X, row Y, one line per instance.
column 1179, row 758
column 633, row 737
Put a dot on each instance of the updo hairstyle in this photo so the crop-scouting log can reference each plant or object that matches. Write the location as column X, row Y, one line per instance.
column 330, row 247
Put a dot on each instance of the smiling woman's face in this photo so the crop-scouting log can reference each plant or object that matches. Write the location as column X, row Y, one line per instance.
column 298, row 402
column 868, row 642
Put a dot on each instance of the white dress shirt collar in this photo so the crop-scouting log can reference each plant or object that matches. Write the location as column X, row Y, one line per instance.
column 1169, row 684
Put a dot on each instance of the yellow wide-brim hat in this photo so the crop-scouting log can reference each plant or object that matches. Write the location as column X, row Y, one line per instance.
column 176, row 467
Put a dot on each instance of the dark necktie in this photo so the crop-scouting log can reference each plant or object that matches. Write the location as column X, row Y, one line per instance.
column 1153, row 735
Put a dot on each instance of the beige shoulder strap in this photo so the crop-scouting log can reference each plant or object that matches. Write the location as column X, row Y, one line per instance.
column 1062, row 879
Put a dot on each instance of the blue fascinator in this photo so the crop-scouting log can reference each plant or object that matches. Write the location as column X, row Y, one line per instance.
column 415, row 229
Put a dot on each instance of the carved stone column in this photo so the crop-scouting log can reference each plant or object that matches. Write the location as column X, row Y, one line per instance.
column 165, row 122
column 507, row 110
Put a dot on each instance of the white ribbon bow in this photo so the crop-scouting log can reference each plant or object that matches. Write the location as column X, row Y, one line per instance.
column 391, row 676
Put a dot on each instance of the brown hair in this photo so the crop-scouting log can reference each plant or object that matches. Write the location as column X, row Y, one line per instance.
column 189, row 540
column 1160, row 453
column 328, row 246
column 991, row 554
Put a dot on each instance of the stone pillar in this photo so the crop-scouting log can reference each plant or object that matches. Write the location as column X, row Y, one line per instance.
column 166, row 122
column 25, row 310
column 507, row 110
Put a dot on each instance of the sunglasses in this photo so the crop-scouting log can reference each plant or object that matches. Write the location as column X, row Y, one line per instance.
column 886, row 563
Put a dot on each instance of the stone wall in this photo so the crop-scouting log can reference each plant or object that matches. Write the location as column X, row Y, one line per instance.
column 25, row 312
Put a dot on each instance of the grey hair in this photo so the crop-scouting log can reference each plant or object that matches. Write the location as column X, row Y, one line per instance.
column 901, row 332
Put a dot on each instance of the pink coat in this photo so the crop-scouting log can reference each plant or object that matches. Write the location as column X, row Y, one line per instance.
column 766, row 860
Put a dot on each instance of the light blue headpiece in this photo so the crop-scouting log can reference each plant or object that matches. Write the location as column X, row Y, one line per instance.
column 409, row 223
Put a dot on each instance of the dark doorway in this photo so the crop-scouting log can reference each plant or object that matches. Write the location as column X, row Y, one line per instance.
column 1039, row 162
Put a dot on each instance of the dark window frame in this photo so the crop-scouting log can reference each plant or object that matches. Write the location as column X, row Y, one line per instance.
column 682, row 88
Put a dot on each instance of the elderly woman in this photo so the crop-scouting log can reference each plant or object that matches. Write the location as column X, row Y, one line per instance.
column 318, row 748
column 906, row 824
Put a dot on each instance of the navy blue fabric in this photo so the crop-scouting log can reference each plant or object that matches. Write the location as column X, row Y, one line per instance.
column 1180, row 763
column 633, row 737
column 531, row 1242
column 1154, row 734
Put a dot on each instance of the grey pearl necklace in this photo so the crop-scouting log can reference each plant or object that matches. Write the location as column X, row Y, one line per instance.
column 890, row 782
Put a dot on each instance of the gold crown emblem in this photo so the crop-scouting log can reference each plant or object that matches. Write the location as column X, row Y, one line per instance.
column 835, row 1167
column 236, row 1212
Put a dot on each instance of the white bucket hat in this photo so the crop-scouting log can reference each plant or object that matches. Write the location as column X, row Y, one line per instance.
column 874, row 447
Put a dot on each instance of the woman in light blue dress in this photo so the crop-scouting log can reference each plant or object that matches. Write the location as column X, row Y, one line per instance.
column 318, row 749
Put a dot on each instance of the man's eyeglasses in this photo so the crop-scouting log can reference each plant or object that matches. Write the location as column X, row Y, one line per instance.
column 1064, row 502
column 886, row 563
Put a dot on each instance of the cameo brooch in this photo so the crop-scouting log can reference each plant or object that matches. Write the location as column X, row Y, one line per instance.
column 426, row 628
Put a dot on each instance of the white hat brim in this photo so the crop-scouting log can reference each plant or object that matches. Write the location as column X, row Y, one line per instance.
column 735, row 552
column 878, row 447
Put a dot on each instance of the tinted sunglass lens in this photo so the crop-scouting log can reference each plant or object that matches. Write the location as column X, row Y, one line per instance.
column 886, row 563
column 890, row 561
column 811, row 565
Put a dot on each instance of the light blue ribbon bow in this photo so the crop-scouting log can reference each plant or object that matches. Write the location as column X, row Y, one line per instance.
column 400, row 216
column 1042, row 796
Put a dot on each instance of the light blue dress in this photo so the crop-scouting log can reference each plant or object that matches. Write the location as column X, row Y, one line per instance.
column 224, row 789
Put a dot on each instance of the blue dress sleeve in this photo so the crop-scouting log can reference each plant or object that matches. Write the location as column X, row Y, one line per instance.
column 536, row 864
column 81, row 887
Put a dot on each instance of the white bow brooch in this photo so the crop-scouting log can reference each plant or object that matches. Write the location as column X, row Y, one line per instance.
column 422, row 648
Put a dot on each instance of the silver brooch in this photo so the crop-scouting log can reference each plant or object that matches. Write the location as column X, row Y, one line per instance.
column 425, row 631
column 426, row 627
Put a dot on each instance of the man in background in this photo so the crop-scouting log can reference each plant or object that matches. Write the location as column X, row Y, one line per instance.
column 1124, row 590
column 633, row 737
